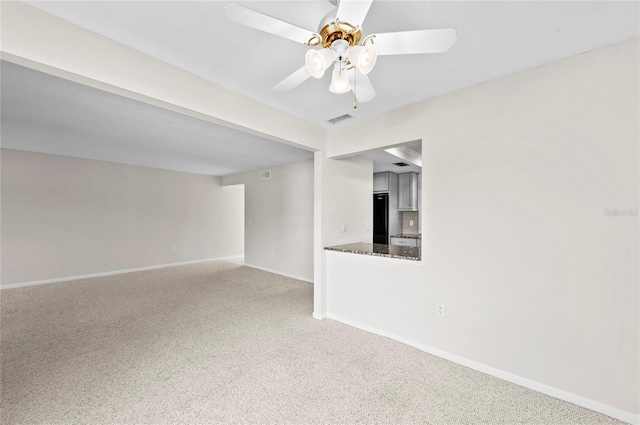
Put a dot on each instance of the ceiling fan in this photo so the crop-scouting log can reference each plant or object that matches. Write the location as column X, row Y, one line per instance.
column 339, row 43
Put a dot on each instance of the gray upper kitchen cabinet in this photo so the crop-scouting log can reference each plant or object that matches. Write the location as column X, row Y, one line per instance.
column 381, row 182
column 408, row 192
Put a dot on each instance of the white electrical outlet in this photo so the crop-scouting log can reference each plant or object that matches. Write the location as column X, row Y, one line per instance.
column 441, row 309
column 174, row 248
column 411, row 223
column 344, row 227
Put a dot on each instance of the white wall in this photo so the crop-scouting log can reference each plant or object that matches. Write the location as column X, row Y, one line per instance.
column 64, row 216
column 343, row 195
column 347, row 198
column 539, row 282
column 279, row 219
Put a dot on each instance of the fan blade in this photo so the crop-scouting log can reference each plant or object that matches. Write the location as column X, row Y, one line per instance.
column 361, row 86
column 293, row 80
column 353, row 11
column 412, row 42
column 266, row 23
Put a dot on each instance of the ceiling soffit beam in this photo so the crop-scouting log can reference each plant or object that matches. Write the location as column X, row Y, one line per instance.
column 407, row 154
column 38, row 40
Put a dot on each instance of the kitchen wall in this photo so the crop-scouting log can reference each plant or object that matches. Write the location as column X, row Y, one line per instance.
column 410, row 222
column 279, row 219
column 64, row 216
column 530, row 229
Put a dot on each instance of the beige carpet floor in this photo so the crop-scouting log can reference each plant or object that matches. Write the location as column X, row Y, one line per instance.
column 219, row 343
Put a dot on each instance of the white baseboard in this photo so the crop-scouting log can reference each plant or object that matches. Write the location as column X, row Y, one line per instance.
column 319, row 316
column 605, row 409
column 92, row 275
column 292, row 276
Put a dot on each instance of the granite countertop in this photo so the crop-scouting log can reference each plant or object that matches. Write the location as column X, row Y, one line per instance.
column 408, row 235
column 379, row 250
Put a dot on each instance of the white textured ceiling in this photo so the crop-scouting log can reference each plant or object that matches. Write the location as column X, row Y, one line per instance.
column 43, row 113
column 47, row 114
column 494, row 39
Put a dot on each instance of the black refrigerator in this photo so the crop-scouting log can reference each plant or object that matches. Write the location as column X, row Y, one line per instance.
column 381, row 218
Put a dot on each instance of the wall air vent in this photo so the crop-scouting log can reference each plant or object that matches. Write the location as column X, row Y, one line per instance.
column 266, row 174
column 341, row 118
column 400, row 164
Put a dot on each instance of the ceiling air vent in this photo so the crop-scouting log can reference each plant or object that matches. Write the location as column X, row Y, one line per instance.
column 266, row 174
column 400, row 164
column 341, row 118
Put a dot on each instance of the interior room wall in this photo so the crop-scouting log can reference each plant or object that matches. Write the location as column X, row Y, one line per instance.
column 530, row 228
column 347, row 200
column 64, row 216
column 343, row 196
column 279, row 219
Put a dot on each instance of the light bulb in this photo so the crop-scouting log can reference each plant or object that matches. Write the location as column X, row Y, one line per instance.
column 339, row 81
column 363, row 57
column 317, row 61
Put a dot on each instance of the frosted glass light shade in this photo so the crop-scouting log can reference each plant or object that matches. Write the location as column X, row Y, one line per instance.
column 318, row 61
column 363, row 57
column 339, row 81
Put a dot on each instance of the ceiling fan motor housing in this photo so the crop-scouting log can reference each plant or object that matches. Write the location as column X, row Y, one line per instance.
column 331, row 29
